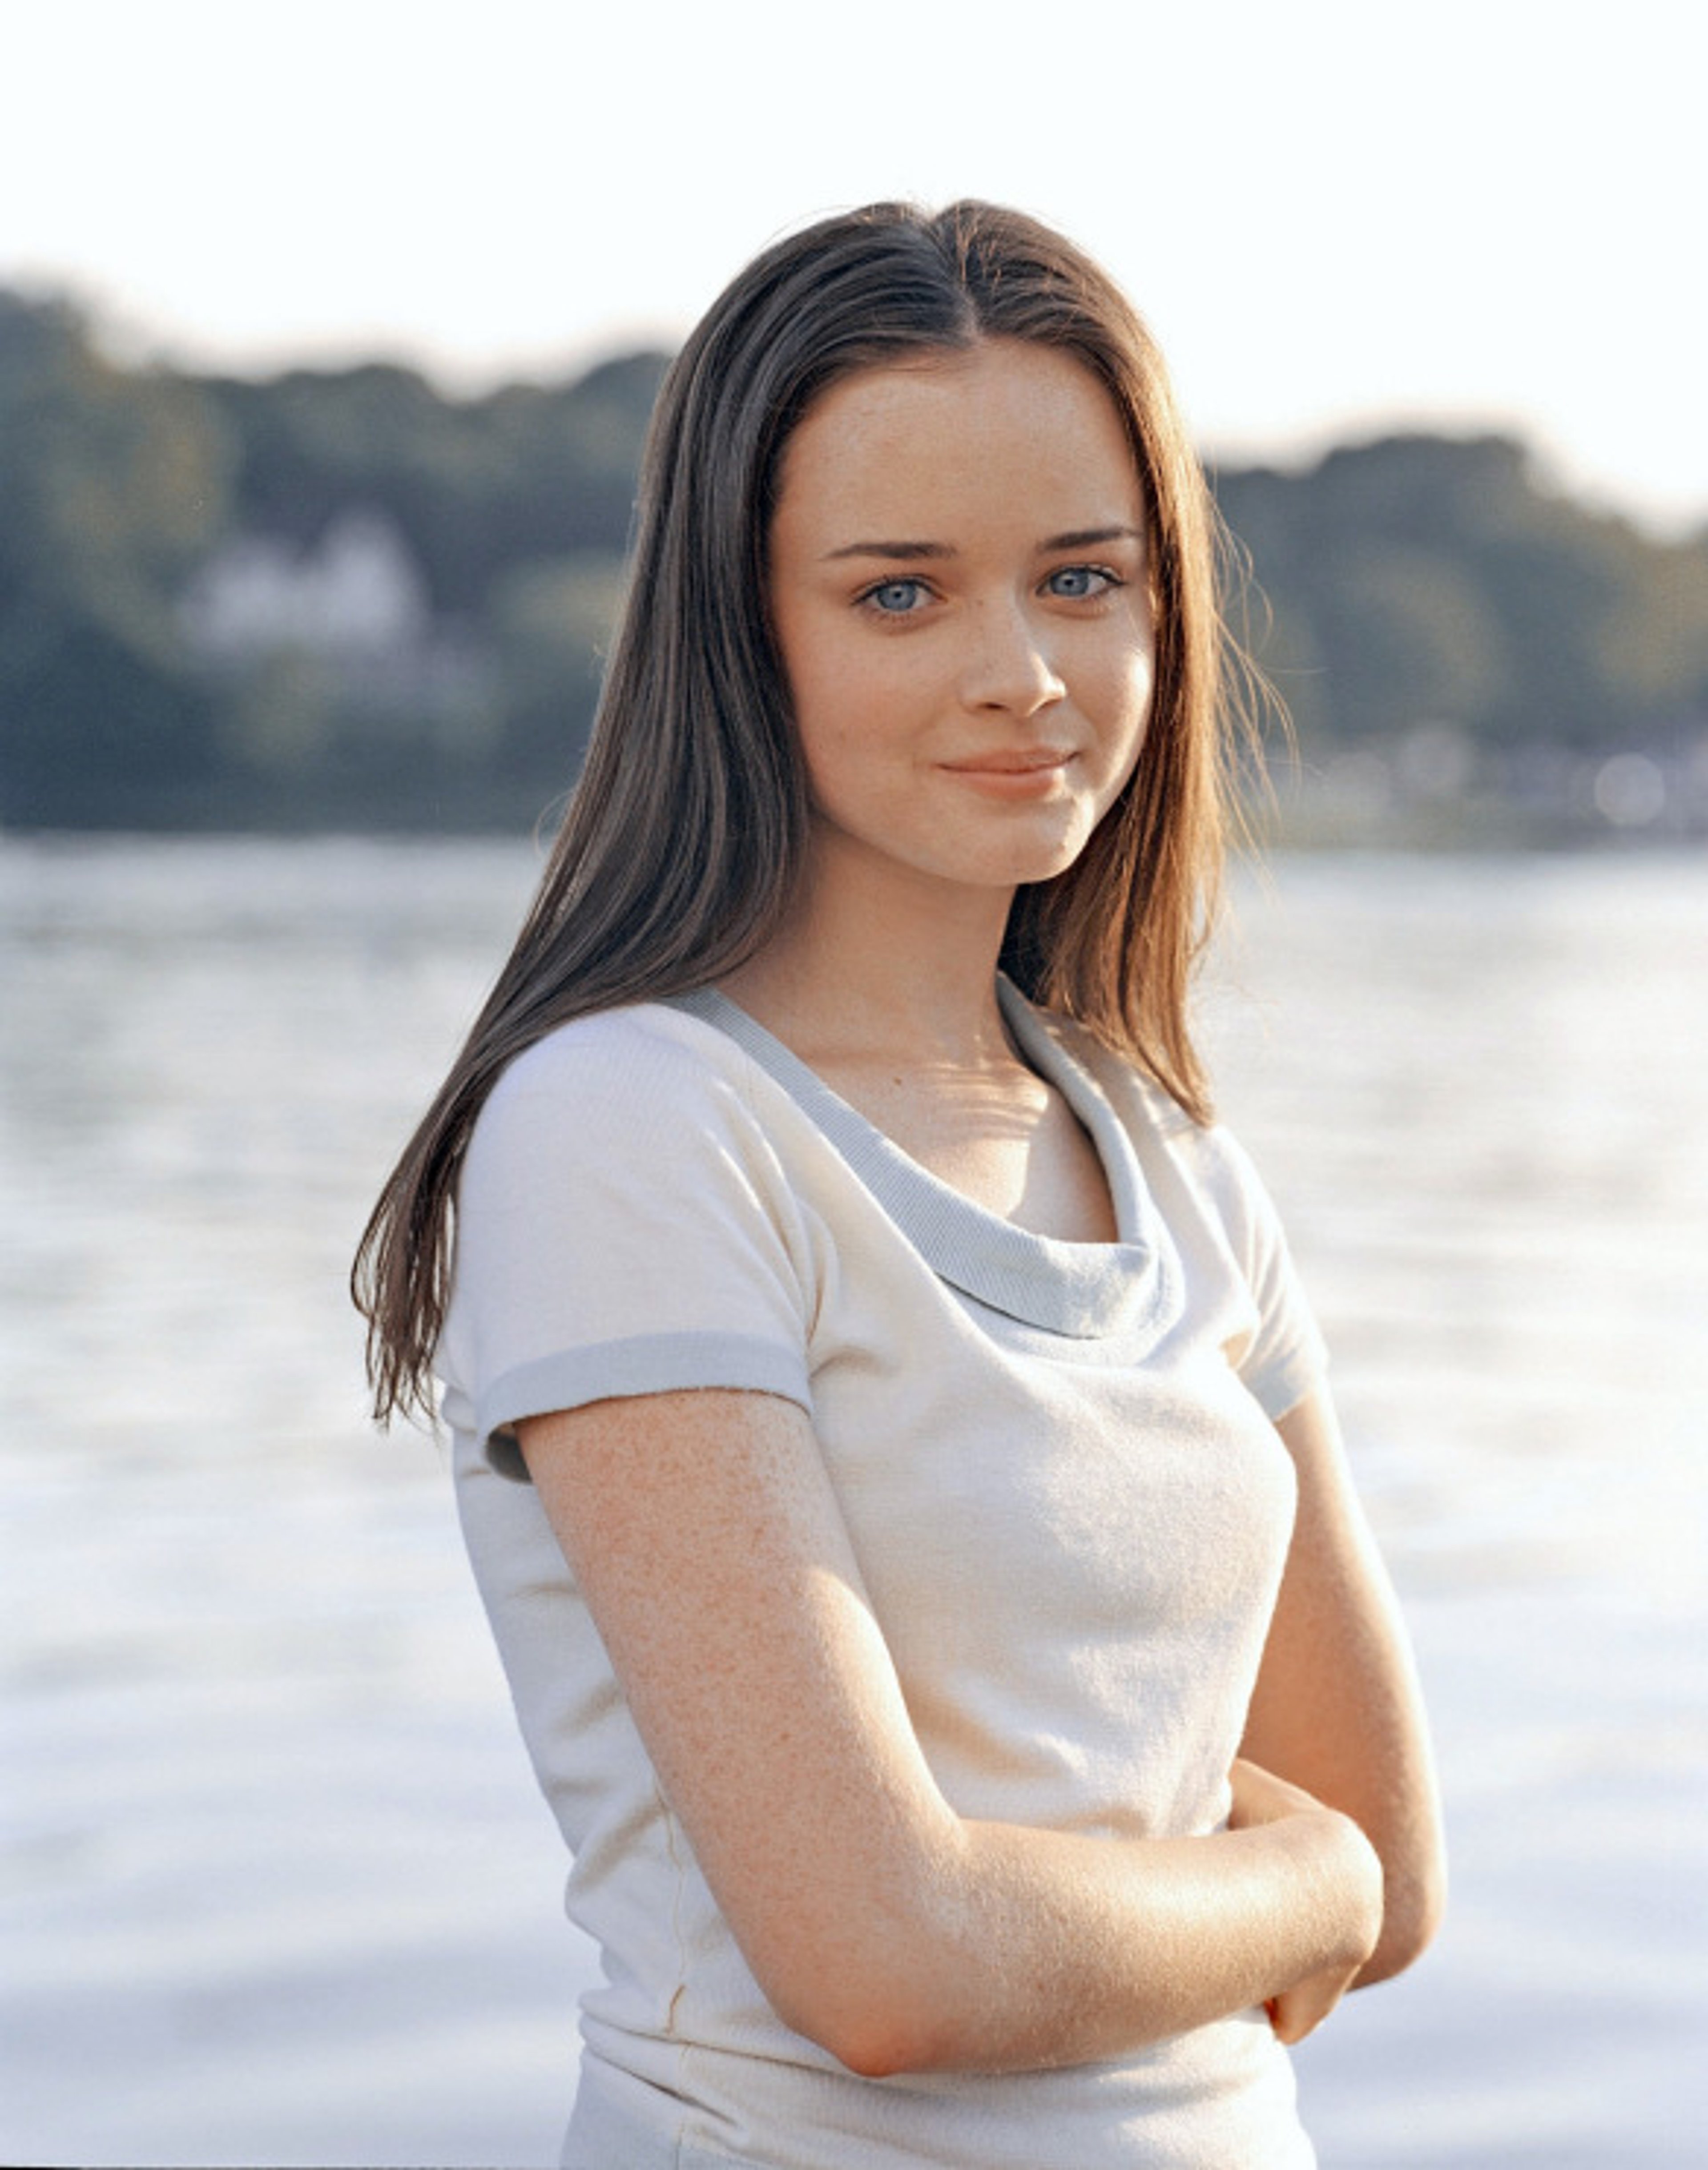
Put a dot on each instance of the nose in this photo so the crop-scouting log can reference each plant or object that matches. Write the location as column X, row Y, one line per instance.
column 1007, row 664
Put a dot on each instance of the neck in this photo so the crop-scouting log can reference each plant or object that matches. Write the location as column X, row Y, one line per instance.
column 877, row 965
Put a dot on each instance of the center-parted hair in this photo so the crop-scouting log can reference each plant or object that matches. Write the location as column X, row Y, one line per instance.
column 687, row 834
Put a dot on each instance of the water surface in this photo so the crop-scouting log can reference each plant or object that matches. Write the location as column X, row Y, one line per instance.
column 276, row 1888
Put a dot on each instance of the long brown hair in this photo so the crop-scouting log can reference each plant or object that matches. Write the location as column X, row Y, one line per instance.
column 688, row 831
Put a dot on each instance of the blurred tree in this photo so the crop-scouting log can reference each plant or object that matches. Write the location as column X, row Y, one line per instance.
column 1419, row 578
column 554, row 618
column 529, row 472
column 1415, row 638
column 339, row 598
column 113, row 483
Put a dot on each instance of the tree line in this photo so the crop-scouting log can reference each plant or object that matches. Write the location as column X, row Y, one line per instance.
column 341, row 599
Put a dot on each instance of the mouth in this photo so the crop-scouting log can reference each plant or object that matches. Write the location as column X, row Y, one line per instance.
column 1015, row 776
column 1025, row 761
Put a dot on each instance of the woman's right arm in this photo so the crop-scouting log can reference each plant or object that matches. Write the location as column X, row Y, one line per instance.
column 703, row 1530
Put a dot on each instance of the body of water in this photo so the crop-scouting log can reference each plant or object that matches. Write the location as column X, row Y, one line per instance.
column 276, row 1888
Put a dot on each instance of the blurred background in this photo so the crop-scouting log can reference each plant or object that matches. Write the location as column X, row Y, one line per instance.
column 327, row 340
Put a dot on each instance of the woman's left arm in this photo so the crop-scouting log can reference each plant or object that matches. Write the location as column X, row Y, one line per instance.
column 1337, row 1709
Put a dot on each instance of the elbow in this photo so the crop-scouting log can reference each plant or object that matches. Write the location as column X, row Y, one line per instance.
column 877, row 2040
column 881, row 2048
column 1404, row 1941
column 878, row 2029
column 885, row 1989
column 888, row 1976
column 1414, row 1902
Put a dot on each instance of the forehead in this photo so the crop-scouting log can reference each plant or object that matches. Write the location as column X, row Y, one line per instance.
column 1005, row 424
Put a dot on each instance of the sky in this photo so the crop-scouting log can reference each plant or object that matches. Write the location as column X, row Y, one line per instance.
column 1339, row 218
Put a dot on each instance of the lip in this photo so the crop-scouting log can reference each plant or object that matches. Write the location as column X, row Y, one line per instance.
column 1025, row 761
column 1017, row 773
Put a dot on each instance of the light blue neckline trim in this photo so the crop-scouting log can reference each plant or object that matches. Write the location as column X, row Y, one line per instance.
column 1133, row 1286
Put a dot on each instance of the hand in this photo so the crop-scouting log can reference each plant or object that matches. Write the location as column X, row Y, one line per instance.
column 1350, row 1878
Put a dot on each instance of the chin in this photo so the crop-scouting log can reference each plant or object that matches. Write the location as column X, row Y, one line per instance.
column 1027, row 868
column 1012, row 874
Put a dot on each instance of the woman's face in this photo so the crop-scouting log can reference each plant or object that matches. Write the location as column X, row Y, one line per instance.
column 959, row 589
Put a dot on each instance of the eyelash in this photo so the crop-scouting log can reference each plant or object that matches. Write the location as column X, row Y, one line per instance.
column 868, row 596
column 1109, row 580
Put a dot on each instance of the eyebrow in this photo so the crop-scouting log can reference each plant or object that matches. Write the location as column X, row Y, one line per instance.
column 902, row 552
column 1076, row 538
column 1084, row 538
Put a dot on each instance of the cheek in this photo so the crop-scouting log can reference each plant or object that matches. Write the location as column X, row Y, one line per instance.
column 849, row 702
column 1131, row 691
column 1128, row 693
column 839, row 739
column 830, row 724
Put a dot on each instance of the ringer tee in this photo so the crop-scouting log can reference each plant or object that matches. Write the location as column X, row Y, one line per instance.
column 1061, row 1484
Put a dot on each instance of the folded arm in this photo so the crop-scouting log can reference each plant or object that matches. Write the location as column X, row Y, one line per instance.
column 703, row 1530
column 1337, row 1708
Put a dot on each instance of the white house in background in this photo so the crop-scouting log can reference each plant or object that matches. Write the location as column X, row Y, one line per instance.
column 358, row 597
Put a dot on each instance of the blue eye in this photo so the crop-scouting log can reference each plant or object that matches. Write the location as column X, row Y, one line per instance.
column 895, row 598
column 1080, row 583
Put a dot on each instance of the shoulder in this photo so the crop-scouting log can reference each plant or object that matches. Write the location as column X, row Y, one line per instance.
column 640, row 1045
column 1221, row 1166
column 1150, row 1114
column 636, row 1070
column 1206, row 1158
column 637, row 1119
column 641, row 1093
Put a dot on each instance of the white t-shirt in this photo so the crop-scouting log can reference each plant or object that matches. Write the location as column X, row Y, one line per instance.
column 1060, row 1480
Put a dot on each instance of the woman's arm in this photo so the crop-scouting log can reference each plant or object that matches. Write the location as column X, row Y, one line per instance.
column 704, row 1533
column 1337, row 1709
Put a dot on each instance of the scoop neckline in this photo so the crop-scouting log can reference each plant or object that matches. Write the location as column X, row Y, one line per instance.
column 1087, row 1290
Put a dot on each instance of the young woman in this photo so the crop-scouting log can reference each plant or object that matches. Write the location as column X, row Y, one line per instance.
column 890, row 1442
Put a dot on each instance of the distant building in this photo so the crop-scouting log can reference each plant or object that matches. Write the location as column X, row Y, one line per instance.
column 358, row 596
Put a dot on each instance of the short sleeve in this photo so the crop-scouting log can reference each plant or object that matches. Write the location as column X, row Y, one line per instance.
column 1286, row 1355
column 623, row 1227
